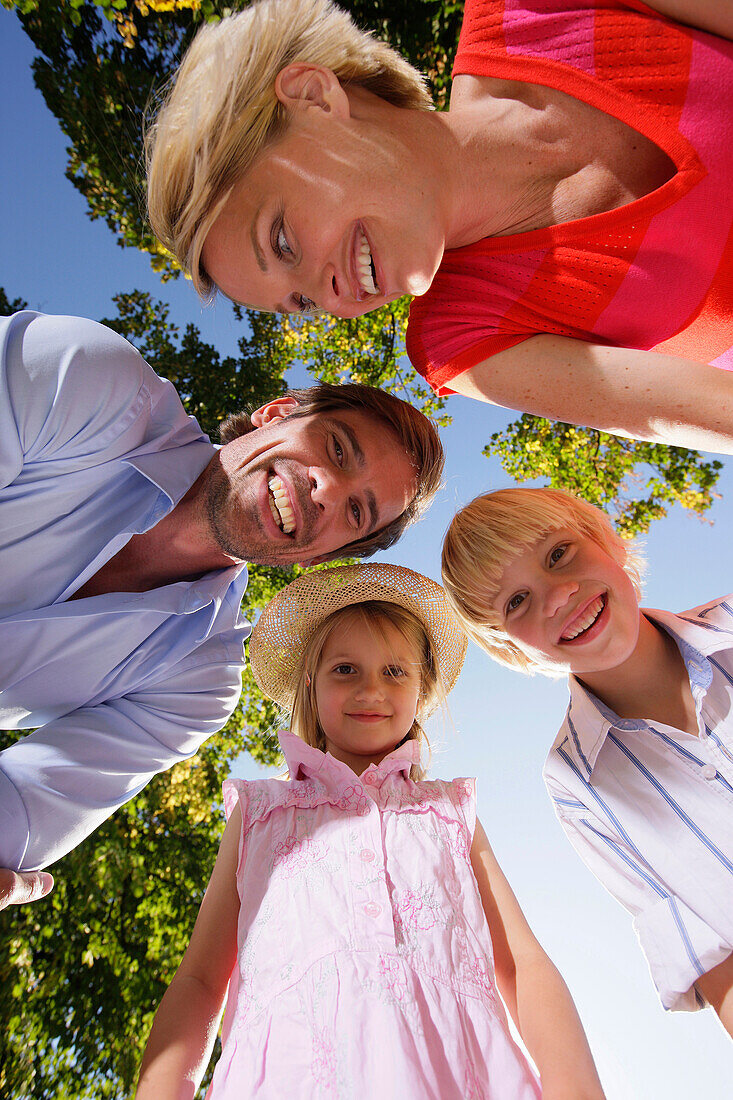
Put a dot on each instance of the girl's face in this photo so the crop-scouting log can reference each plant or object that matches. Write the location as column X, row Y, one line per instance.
column 367, row 689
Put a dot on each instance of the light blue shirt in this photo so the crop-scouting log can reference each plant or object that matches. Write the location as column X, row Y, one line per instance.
column 95, row 447
column 649, row 808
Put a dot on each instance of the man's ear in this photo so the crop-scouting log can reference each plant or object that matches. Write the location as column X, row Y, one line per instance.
column 300, row 86
column 274, row 410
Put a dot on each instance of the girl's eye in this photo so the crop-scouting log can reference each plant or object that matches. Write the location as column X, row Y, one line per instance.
column 557, row 553
column 515, row 601
column 395, row 672
column 344, row 670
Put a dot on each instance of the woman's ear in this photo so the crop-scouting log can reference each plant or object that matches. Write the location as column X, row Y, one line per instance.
column 299, row 86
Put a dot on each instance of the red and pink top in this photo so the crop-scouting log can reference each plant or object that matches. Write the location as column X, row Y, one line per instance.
column 654, row 274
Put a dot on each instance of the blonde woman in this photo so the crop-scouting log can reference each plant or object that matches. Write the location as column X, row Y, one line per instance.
column 566, row 226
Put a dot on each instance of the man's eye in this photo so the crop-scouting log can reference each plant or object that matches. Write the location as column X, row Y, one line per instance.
column 515, row 601
column 557, row 553
column 338, row 451
column 356, row 512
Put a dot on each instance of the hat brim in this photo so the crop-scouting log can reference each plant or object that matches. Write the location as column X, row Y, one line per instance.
column 285, row 626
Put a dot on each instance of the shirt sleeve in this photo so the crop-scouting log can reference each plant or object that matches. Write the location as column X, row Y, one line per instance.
column 679, row 946
column 69, row 388
column 63, row 780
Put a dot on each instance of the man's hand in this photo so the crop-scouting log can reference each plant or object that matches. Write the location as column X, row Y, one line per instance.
column 17, row 887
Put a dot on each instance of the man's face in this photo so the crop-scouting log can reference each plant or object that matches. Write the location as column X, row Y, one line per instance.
column 298, row 489
column 567, row 603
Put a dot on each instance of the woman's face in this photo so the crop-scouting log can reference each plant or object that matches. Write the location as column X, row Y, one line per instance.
column 335, row 216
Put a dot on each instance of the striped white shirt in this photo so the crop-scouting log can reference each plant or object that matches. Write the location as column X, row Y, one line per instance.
column 649, row 808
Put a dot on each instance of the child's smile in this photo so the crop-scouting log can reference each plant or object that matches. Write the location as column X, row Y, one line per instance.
column 367, row 691
column 569, row 605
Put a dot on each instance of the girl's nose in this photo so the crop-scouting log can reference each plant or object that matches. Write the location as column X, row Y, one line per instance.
column 369, row 687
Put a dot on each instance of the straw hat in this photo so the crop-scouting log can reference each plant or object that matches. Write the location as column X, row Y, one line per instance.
column 282, row 631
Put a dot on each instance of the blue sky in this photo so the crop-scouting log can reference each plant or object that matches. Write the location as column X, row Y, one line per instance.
column 502, row 723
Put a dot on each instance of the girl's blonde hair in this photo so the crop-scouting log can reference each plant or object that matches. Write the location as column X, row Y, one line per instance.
column 486, row 535
column 375, row 614
column 221, row 110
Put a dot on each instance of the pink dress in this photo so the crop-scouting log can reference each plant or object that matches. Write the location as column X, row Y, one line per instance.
column 365, row 967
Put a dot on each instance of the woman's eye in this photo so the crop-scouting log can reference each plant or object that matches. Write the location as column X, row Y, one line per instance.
column 281, row 246
column 304, row 305
column 557, row 553
column 515, row 601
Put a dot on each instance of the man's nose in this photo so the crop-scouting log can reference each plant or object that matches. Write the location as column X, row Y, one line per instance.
column 326, row 488
column 557, row 595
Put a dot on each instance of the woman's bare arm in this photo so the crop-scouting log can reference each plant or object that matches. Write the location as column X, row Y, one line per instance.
column 639, row 394
column 532, row 989
column 184, row 1029
column 716, row 17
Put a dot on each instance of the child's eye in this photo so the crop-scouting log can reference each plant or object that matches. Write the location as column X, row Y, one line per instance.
column 557, row 553
column 344, row 670
column 515, row 601
column 395, row 672
column 305, row 305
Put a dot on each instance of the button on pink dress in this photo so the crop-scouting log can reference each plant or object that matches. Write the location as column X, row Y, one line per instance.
column 365, row 966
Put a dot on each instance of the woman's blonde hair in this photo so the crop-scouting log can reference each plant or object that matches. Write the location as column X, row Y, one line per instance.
column 486, row 535
column 376, row 614
column 221, row 110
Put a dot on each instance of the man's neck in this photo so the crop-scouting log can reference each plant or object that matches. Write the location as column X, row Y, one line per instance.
column 179, row 547
column 652, row 683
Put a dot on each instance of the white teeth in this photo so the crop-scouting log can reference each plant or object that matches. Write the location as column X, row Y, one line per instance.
column 589, row 616
column 364, row 266
column 282, row 513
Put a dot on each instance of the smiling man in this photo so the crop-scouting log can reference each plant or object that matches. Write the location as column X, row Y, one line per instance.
column 123, row 546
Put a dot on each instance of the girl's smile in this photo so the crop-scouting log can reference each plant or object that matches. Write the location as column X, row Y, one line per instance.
column 367, row 691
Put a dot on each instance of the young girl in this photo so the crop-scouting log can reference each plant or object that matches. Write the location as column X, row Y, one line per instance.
column 356, row 911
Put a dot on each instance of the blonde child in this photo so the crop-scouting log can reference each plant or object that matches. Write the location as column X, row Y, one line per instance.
column 356, row 912
column 641, row 772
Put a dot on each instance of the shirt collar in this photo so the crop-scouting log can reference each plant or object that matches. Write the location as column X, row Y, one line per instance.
column 306, row 762
column 588, row 719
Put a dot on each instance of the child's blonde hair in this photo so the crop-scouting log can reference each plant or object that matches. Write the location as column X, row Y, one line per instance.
column 376, row 614
column 221, row 110
column 486, row 535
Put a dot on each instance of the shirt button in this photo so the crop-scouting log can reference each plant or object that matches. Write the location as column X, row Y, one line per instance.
column 709, row 772
column 367, row 855
column 372, row 909
column 370, row 779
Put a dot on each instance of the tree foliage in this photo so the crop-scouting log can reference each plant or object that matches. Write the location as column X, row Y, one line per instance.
column 634, row 482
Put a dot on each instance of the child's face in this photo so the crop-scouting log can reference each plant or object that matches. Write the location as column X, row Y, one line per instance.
column 367, row 689
column 569, row 604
